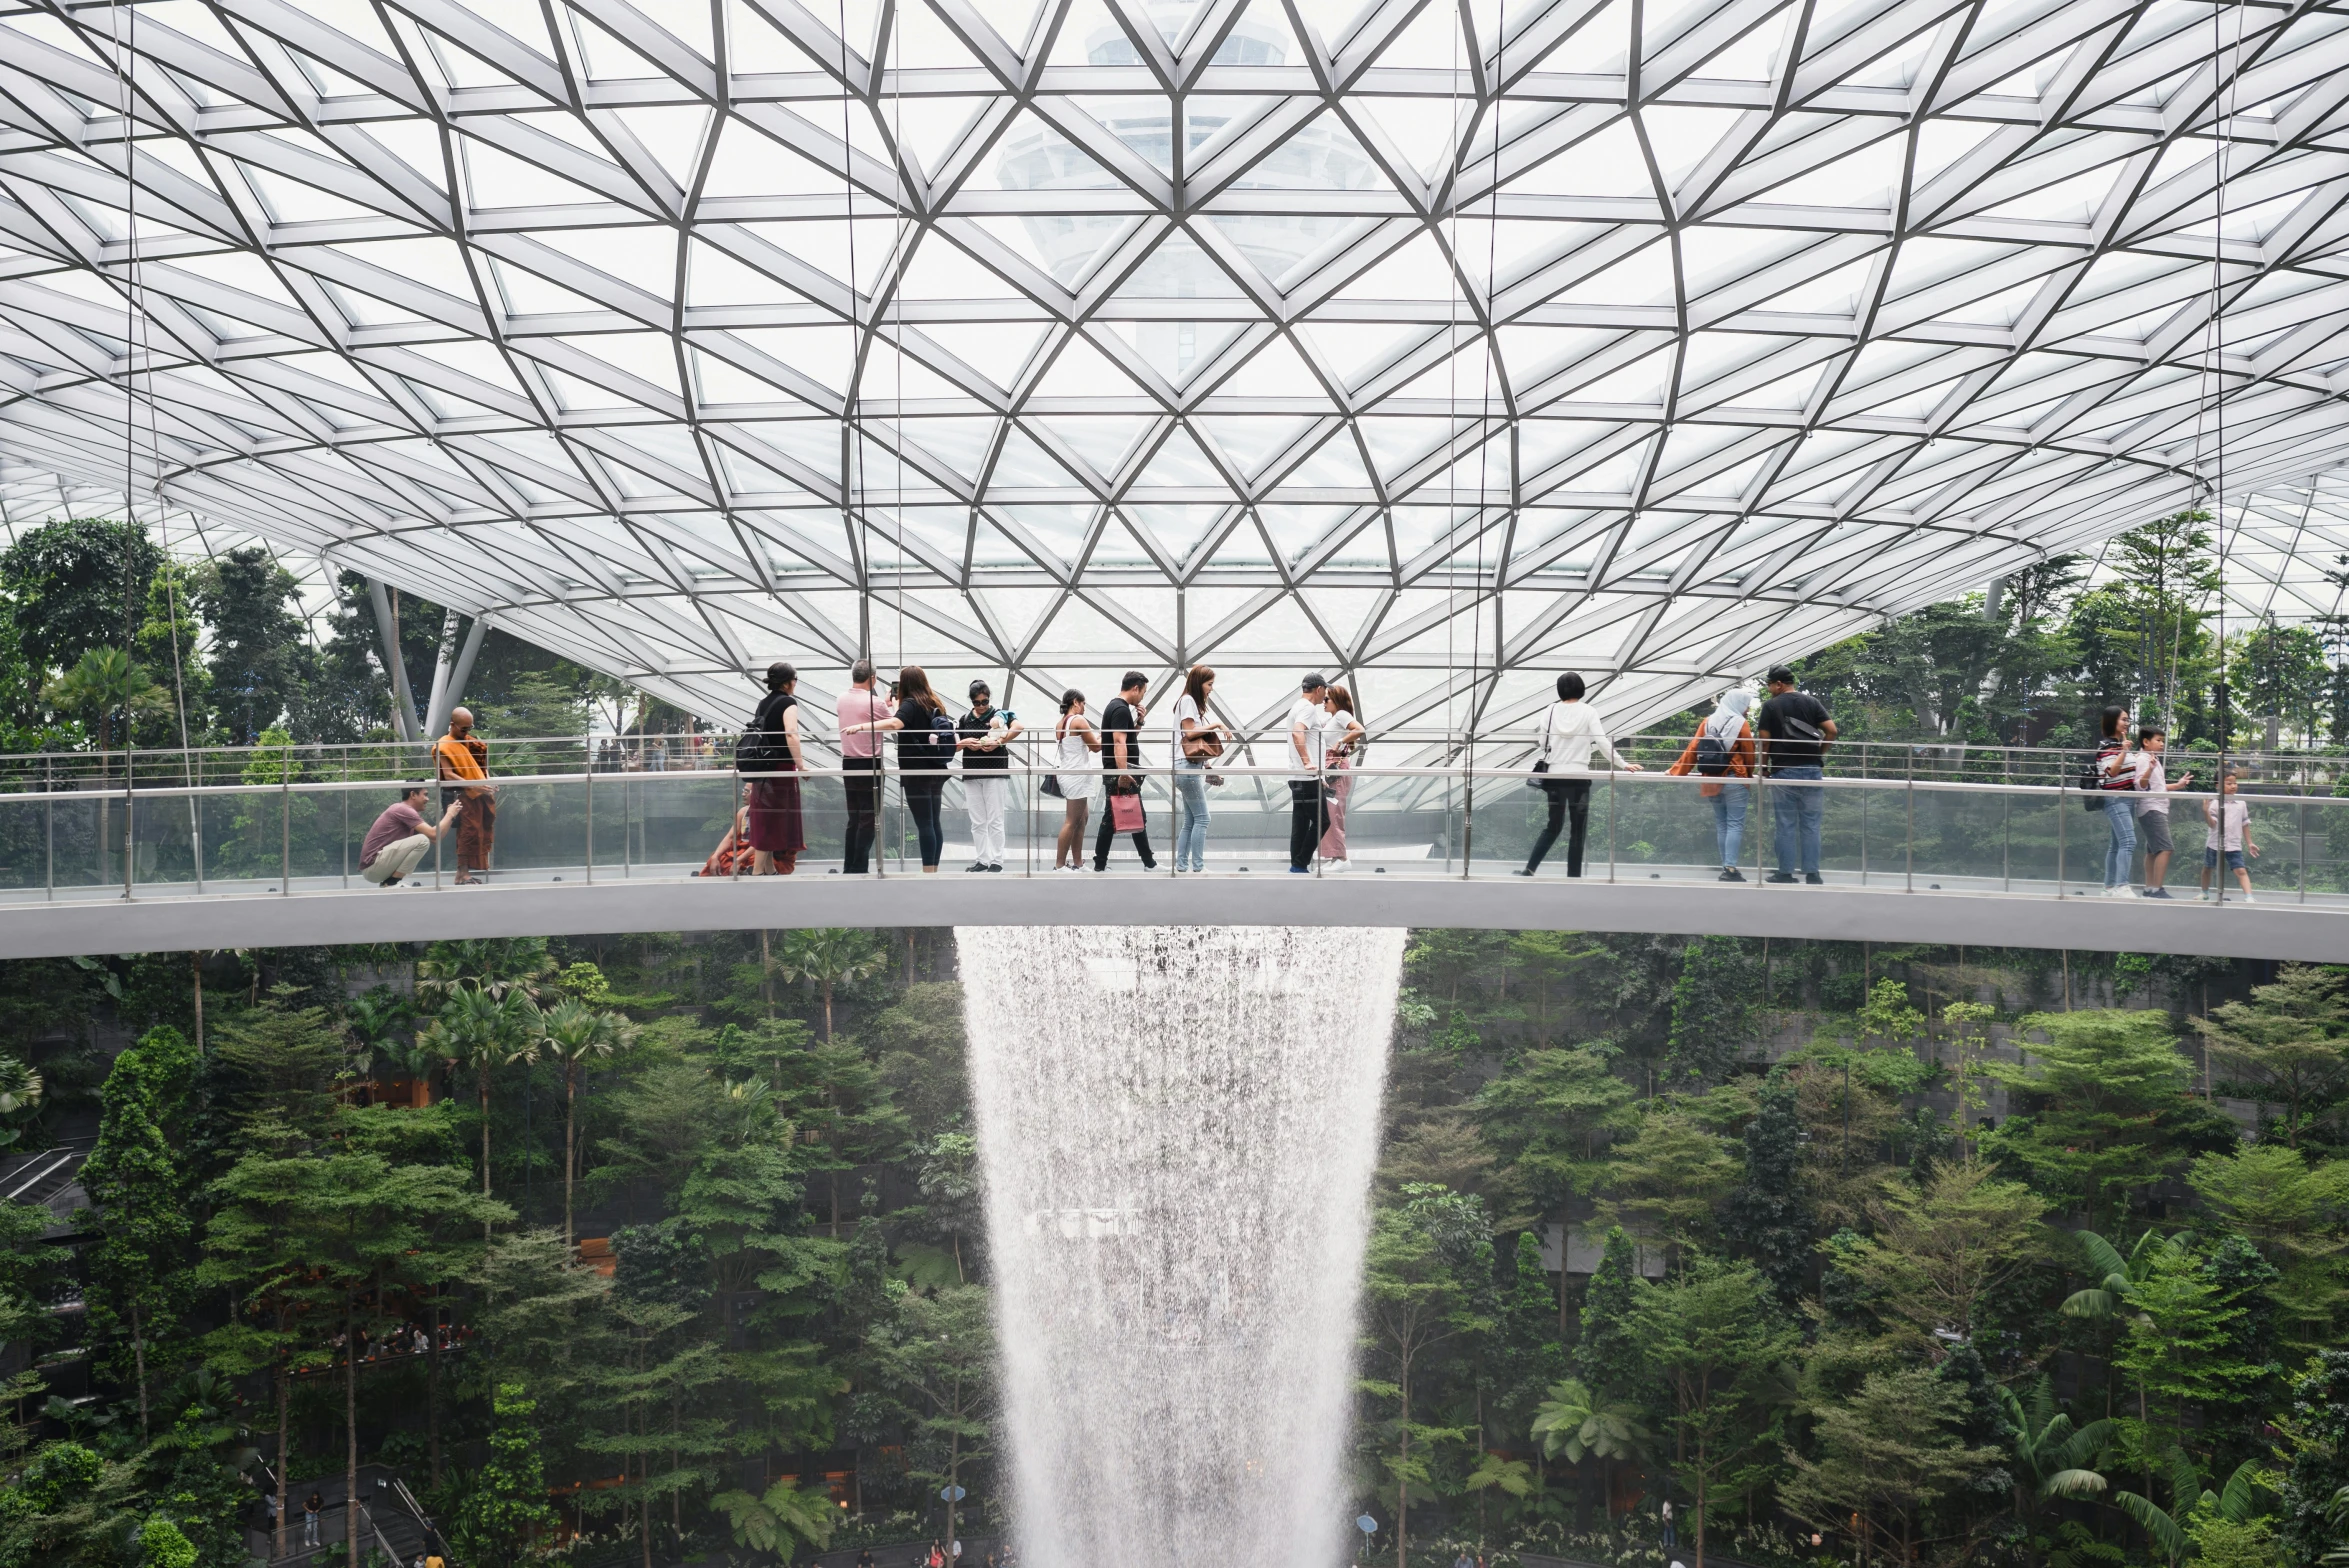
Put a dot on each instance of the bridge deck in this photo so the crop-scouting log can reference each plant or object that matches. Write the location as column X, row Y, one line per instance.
column 1406, row 892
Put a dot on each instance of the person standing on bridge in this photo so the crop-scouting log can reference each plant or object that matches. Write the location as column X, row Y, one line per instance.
column 925, row 746
column 777, row 830
column 1342, row 737
column 461, row 754
column 1796, row 733
column 1571, row 730
column 397, row 843
column 986, row 733
column 1721, row 753
column 1199, row 740
column 855, row 716
column 1308, row 811
column 1075, row 741
column 2116, row 782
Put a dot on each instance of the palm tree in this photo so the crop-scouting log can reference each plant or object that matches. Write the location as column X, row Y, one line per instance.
column 20, row 1090
column 572, row 1033
column 106, row 686
column 484, row 1032
column 498, row 965
column 827, row 957
column 376, row 1020
column 1574, row 1421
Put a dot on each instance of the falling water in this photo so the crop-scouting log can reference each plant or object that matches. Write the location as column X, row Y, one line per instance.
column 1176, row 1131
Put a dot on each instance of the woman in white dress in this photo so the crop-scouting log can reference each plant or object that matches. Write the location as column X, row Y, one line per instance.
column 1077, row 740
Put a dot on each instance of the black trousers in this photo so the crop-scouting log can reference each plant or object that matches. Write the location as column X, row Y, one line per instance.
column 864, row 802
column 1101, row 840
column 1567, row 797
column 1308, row 820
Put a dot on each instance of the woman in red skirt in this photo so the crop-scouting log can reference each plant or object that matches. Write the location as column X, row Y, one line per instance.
column 777, row 834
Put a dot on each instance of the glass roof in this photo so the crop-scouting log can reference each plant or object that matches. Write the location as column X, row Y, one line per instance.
column 1414, row 340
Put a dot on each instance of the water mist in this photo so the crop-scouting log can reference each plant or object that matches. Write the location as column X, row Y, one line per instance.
column 1177, row 1129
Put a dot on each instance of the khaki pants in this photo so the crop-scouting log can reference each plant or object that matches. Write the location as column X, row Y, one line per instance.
column 396, row 859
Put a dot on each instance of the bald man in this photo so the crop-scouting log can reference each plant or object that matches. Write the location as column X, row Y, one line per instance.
column 461, row 754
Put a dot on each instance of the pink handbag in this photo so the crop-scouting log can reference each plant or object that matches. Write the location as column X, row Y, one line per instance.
column 1125, row 813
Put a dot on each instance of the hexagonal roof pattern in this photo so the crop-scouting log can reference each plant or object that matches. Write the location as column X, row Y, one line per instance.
column 1443, row 343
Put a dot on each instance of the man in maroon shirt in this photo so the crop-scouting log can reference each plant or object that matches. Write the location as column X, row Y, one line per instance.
column 397, row 842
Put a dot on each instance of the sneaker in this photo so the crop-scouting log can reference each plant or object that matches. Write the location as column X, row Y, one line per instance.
column 1731, row 874
column 976, row 865
column 2157, row 892
column 995, row 867
column 1149, row 865
column 1814, row 879
column 2245, row 898
column 2120, row 890
column 1779, row 876
column 1300, row 871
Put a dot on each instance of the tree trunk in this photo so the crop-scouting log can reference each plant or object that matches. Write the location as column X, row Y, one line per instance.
column 485, row 1143
column 139, row 1354
column 196, row 968
column 1403, row 1481
column 570, row 1135
column 1701, row 1475
column 827, row 1009
column 350, row 1434
column 432, row 1392
column 284, row 1402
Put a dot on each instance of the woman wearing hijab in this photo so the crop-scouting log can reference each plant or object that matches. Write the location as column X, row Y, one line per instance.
column 1721, row 752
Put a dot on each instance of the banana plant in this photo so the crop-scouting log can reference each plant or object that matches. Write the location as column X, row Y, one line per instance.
column 2056, row 1459
column 2237, row 1503
column 2117, row 1278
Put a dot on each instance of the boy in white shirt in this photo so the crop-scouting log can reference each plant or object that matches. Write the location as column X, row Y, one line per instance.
column 2234, row 837
column 2153, row 810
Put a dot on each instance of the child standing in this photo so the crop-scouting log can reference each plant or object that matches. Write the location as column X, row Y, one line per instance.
column 2153, row 806
column 2229, row 819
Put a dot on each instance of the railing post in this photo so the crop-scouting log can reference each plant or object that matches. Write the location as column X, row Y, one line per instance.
column 1911, row 874
column 2062, row 817
column 285, row 823
column 1585, row 761
column 2006, row 841
column 130, row 838
column 346, row 792
column 589, row 776
column 49, row 823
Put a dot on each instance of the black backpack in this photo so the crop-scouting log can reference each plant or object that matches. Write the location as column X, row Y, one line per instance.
column 761, row 749
column 1712, row 755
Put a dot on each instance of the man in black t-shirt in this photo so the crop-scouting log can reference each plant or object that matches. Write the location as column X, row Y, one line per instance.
column 1796, row 732
column 1121, row 748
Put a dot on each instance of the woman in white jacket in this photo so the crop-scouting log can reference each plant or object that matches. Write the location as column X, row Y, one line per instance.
column 1570, row 732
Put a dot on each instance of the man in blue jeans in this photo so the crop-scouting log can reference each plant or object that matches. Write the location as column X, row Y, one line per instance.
column 1796, row 732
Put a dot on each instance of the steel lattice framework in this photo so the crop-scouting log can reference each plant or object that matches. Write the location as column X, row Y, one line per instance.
column 1443, row 342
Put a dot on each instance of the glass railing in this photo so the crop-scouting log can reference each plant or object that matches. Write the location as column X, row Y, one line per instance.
column 2011, row 822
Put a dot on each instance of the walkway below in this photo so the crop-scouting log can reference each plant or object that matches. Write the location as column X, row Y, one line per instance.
column 1676, row 901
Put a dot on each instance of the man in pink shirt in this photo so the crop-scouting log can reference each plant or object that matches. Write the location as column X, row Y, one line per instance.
column 860, row 759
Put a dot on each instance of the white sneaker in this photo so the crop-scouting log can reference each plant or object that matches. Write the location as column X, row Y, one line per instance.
column 2245, row 898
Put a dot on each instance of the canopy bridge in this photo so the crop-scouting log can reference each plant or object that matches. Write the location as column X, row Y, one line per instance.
column 1979, row 846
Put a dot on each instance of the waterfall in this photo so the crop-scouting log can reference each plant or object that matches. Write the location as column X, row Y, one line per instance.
column 1177, row 1129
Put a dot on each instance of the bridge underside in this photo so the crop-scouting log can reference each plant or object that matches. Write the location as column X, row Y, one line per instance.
column 88, row 923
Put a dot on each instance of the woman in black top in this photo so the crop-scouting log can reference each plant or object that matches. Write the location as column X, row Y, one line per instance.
column 777, row 833
column 923, row 751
